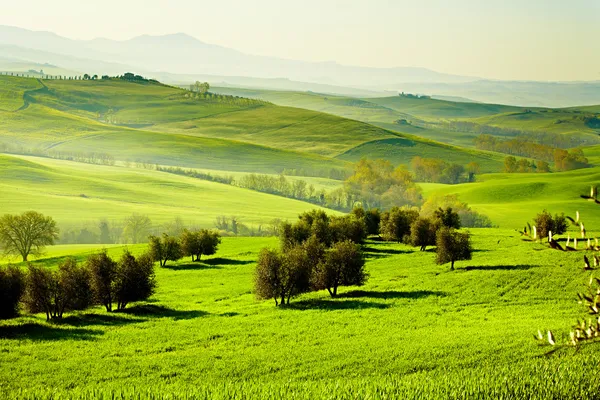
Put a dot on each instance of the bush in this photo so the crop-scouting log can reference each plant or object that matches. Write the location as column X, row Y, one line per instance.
column 134, row 279
column 343, row 266
column 452, row 246
column 545, row 223
column 281, row 277
column 165, row 249
column 12, row 288
column 423, row 233
column 54, row 292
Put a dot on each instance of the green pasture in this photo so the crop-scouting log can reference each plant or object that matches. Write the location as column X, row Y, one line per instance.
column 415, row 330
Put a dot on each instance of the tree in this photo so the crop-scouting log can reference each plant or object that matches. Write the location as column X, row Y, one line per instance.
column 167, row 248
column 423, row 233
column 134, row 279
column 102, row 271
column 395, row 224
column 12, row 288
column 199, row 243
column 104, row 232
column 346, row 228
column 27, row 234
column 137, row 228
column 447, row 217
column 510, row 164
column 281, row 277
column 543, row 167
column 343, row 266
column 54, row 292
column 452, row 246
column 473, row 169
column 372, row 219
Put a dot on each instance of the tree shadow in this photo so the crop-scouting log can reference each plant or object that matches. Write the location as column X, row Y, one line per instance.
column 375, row 250
column 39, row 332
column 96, row 319
column 499, row 268
column 332, row 304
column 392, row 294
column 150, row 310
column 227, row 261
column 229, row 314
column 195, row 266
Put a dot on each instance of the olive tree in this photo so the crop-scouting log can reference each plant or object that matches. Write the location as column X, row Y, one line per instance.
column 343, row 265
column 452, row 246
column 134, row 279
column 27, row 234
column 167, row 248
column 199, row 243
column 282, row 276
column 423, row 232
column 103, row 270
column 395, row 224
column 545, row 223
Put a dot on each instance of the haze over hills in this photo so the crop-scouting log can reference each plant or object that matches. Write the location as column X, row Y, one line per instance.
column 180, row 58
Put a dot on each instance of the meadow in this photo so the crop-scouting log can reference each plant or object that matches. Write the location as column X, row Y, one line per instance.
column 414, row 330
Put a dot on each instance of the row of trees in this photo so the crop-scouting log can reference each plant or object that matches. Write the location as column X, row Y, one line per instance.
column 194, row 244
column 72, row 286
column 83, row 157
column 512, row 165
column 440, row 171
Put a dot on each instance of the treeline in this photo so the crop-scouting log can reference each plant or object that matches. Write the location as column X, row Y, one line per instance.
column 72, row 286
column 83, row 157
column 563, row 161
column 545, row 138
column 440, row 171
column 512, row 165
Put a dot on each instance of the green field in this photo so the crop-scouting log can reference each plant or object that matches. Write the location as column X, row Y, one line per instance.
column 76, row 193
column 416, row 330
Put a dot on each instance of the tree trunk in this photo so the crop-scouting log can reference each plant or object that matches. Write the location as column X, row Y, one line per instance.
column 452, row 266
column 282, row 299
column 330, row 292
column 335, row 291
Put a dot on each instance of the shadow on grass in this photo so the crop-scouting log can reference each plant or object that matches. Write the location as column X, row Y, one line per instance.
column 333, row 304
column 499, row 268
column 150, row 310
column 195, row 266
column 39, row 332
column 96, row 319
column 391, row 294
column 376, row 250
column 227, row 261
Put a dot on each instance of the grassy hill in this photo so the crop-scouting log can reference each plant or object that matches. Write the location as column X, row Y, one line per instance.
column 75, row 193
column 415, row 330
column 512, row 200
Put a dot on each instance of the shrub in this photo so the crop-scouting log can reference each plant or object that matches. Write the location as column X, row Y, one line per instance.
column 343, row 265
column 423, row 233
column 452, row 246
column 164, row 249
column 12, row 288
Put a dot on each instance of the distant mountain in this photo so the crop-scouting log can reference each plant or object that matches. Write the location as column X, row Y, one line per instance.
column 180, row 59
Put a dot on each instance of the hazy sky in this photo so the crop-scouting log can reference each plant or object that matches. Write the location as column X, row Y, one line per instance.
column 503, row 39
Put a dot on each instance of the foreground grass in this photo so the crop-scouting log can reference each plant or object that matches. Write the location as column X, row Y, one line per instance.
column 416, row 330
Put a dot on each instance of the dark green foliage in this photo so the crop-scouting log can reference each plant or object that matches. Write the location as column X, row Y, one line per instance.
column 167, row 248
column 347, row 228
column 423, row 232
column 452, row 246
column 54, row 292
column 395, row 224
column 26, row 234
column 199, row 243
column 447, row 217
column 372, row 219
column 343, row 265
column 134, row 279
column 12, row 288
column 545, row 223
column 102, row 271
column 281, row 277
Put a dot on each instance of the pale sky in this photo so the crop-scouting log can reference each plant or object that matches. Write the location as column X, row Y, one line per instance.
column 498, row 39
